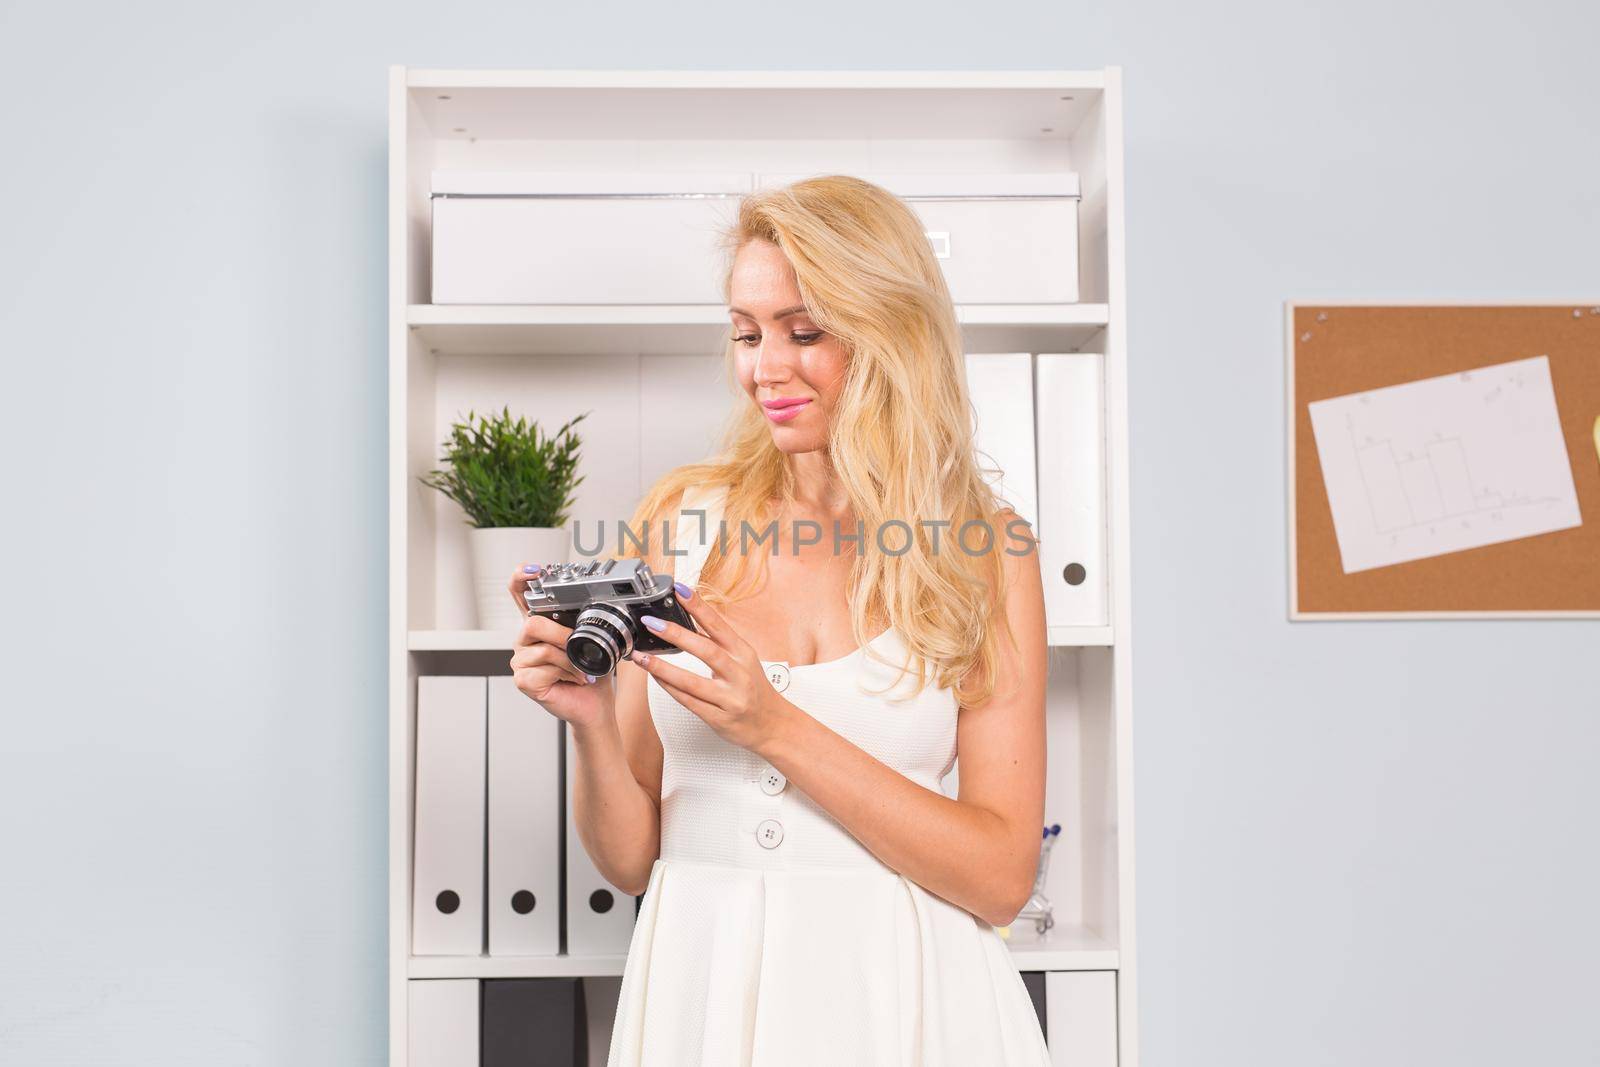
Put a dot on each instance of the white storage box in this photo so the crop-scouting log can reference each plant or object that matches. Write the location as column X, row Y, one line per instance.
column 580, row 238
column 1001, row 238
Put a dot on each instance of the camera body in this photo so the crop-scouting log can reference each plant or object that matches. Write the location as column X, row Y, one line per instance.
column 601, row 602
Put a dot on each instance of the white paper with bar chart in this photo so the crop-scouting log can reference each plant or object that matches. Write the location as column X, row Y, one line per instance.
column 1445, row 464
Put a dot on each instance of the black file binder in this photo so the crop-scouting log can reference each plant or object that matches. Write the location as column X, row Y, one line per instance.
column 1034, row 980
column 534, row 1022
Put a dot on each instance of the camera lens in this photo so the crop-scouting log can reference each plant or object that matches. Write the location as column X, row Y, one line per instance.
column 603, row 636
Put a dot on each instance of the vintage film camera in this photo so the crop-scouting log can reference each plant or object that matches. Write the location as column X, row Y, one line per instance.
column 601, row 602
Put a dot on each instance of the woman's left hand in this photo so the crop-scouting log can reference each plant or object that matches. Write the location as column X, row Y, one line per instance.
column 736, row 701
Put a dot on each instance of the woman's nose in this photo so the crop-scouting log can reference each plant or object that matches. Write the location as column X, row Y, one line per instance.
column 774, row 363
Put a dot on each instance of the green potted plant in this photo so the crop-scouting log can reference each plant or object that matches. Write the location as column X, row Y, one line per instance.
column 515, row 485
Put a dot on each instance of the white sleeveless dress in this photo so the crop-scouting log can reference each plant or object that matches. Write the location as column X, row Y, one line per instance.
column 768, row 936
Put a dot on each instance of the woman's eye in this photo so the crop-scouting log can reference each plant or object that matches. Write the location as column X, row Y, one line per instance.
column 751, row 339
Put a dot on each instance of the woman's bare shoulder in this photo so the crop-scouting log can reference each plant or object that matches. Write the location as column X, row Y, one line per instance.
column 1022, row 583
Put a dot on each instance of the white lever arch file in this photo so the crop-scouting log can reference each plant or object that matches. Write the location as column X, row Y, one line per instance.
column 1001, row 387
column 1081, row 1018
column 524, row 824
column 1069, row 394
column 447, row 890
column 444, row 1022
column 599, row 915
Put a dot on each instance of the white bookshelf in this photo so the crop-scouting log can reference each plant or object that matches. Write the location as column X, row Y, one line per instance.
column 551, row 361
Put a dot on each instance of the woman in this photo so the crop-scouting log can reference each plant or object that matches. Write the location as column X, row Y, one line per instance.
column 773, row 790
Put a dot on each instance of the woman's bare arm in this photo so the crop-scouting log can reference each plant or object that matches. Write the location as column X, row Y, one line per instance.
column 616, row 792
column 616, row 787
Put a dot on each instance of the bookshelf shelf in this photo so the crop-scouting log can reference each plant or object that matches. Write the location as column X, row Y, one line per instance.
column 692, row 329
column 1067, row 949
column 498, row 641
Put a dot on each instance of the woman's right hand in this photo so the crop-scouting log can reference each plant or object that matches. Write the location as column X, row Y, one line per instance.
column 542, row 671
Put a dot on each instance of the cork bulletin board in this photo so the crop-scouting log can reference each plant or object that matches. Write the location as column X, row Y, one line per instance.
column 1453, row 360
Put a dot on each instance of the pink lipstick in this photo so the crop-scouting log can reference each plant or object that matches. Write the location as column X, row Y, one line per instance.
column 785, row 408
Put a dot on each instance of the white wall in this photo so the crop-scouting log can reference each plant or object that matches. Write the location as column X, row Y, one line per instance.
column 1360, row 843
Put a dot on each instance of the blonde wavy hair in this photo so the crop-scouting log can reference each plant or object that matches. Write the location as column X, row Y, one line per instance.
column 900, row 440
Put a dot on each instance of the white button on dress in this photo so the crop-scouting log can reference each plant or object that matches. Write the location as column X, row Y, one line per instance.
column 778, row 675
column 772, row 781
column 770, row 833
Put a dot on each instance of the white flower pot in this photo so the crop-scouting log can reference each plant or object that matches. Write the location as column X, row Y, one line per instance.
column 499, row 550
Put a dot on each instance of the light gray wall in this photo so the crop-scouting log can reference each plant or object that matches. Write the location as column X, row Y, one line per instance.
column 1360, row 844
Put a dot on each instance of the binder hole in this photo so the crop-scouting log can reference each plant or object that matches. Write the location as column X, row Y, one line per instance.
column 600, row 901
column 522, row 902
column 447, row 901
column 1074, row 573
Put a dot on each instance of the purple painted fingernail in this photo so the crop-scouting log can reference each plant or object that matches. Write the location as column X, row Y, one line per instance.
column 683, row 591
column 529, row 568
column 654, row 623
column 591, row 678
